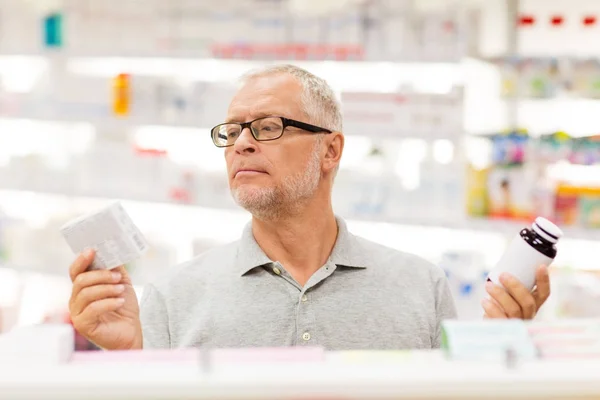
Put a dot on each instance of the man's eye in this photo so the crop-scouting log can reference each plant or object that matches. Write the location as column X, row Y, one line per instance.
column 270, row 128
column 232, row 134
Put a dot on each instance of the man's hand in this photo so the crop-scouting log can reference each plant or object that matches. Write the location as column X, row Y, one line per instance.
column 514, row 300
column 103, row 306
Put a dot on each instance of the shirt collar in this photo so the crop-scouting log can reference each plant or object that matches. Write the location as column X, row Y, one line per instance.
column 346, row 251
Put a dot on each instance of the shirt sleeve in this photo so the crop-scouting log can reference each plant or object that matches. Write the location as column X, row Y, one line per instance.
column 154, row 319
column 444, row 307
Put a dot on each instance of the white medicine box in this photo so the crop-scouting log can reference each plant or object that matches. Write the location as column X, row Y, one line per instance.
column 110, row 232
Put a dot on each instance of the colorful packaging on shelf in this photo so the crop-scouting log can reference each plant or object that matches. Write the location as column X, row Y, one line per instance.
column 585, row 150
column 477, row 192
column 510, row 148
column 586, row 78
column 566, row 205
column 553, row 147
column 589, row 208
column 537, row 78
column 578, row 206
column 510, row 193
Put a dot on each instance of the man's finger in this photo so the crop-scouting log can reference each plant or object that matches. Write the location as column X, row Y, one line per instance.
column 81, row 263
column 91, row 294
column 125, row 279
column 542, row 291
column 92, row 278
column 94, row 310
column 492, row 310
column 505, row 300
column 520, row 294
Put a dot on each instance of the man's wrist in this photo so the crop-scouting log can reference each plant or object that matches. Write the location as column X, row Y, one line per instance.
column 138, row 343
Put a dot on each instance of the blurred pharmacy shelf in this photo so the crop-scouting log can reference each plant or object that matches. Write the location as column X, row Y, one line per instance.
column 343, row 375
column 506, row 228
column 294, row 30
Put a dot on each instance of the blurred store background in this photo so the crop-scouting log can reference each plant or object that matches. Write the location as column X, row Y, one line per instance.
column 464, row 121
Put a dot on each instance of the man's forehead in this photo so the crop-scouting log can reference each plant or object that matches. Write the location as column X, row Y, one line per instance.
column 256, row 102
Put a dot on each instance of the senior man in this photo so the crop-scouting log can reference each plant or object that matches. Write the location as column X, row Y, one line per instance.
column 296, row 276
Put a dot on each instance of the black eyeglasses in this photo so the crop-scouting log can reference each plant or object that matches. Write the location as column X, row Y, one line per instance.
column 262, row 129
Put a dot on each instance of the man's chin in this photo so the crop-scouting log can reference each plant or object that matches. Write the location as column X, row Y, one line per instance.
column 253, row 198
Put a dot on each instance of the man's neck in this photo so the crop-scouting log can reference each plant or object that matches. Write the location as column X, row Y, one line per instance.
column 302, row 243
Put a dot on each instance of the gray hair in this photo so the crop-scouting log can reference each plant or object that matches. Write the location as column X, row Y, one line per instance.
column 318, row 99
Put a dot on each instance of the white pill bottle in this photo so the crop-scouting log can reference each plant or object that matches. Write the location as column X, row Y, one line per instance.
column 527, row 251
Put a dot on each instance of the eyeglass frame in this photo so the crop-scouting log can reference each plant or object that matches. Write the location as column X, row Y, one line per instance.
column 285, row 123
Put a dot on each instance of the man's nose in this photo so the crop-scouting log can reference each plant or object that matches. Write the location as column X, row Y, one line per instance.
column 245, row 143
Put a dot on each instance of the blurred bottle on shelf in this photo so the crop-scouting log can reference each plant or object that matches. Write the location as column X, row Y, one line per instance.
column 466, row 274
column 121, row 95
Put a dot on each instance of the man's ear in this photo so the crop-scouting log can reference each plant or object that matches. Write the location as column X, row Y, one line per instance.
column 335, row 148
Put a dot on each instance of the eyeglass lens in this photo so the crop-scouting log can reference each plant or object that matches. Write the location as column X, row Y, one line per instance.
column 262, row 129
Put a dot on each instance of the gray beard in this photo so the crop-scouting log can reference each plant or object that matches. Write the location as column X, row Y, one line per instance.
column 276, row 202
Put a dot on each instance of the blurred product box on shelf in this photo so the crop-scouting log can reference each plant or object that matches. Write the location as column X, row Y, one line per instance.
column 566, row 206
column 110, row 232
column 589, row 209
column 566, row 338
column 512, row 341
column 45, row 344
column 510, row 195
column 586, row 78
column 510, row 148
column 404, row 113
column 477, row 201
column 52, row 255
column 575, row 294
column 545, row 176
column 554, row 147
column 539, row 78
column 66, row 101
column 546, row 78
column 585, row 150
column 487, row 340
column 578, row 206
column 509, row 77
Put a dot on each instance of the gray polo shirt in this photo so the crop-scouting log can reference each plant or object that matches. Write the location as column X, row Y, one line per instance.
column 366, row 296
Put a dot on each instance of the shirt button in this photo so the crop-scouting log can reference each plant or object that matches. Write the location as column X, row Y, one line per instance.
column 276, row 271
column 304, row 298
column 306, row 336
